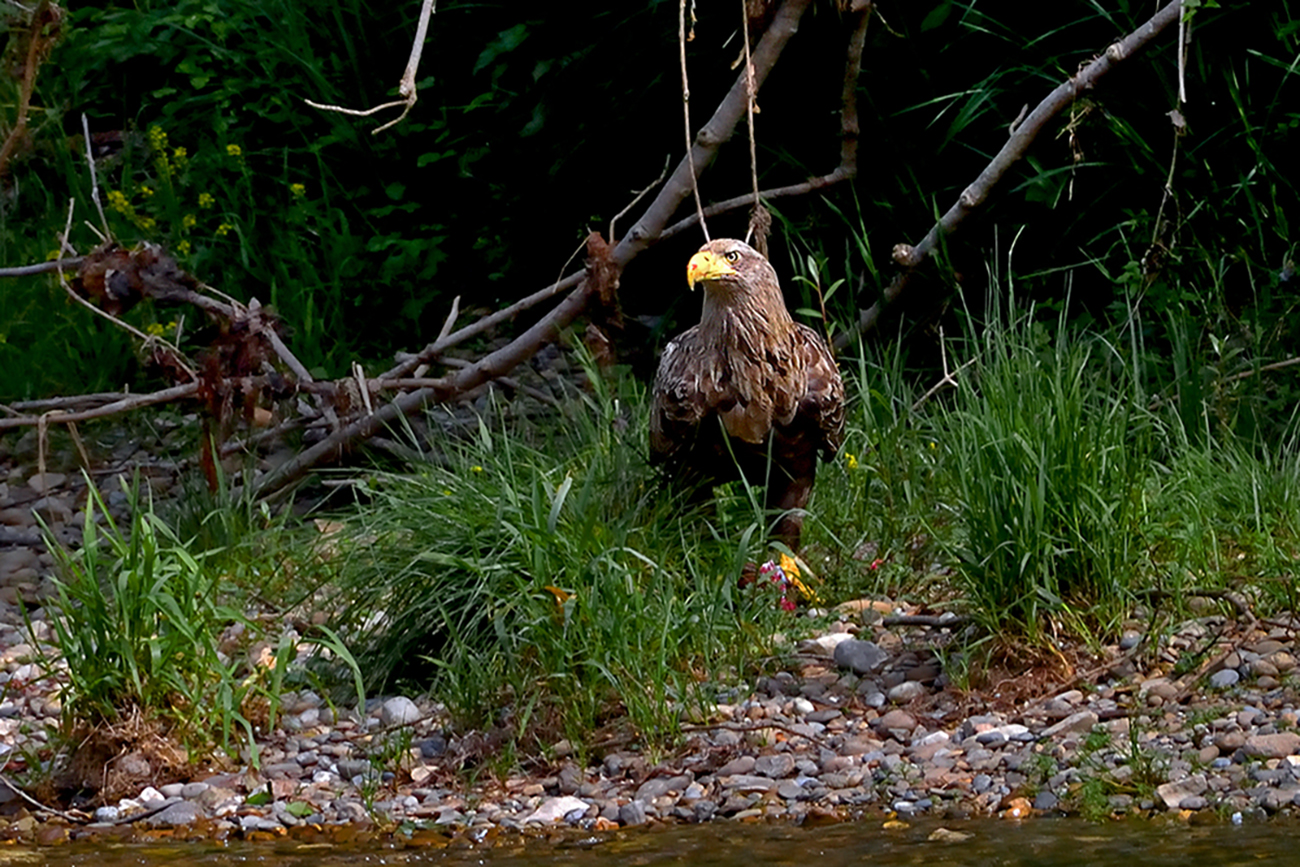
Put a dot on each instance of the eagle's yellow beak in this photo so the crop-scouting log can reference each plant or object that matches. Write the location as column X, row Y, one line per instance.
column 707, row 266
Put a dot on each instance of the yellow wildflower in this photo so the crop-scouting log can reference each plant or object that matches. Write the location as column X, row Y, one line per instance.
column 189, row 221
column 157, row 138
column 851, row 460
column 154, row 329
column 180, row 154
column 234, row 150
column 147, row 192
column 206, row 200
column 183, row 247
column 117, row 201
column 223, row 230
column 146, row 223
column 298, row 190
column 476, row 469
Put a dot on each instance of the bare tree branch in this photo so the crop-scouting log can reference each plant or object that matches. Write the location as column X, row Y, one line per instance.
column 490, row 367
column 126, row 404
column 974, row 195
column 849, row 134
column 42, row 267
column 710, row 137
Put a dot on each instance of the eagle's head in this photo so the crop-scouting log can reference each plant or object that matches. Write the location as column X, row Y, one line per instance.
column 737, row 280
column 728, row 267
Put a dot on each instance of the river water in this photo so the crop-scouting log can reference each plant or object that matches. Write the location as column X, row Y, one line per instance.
column 1058, row 843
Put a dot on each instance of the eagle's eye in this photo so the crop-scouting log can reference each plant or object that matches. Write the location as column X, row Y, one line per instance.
column 733, row 255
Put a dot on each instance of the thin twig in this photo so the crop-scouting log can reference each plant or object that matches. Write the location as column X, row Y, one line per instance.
column 409, row 363
column 613, row 236
column 949, row 377
column 94, row 177
column 70, row 817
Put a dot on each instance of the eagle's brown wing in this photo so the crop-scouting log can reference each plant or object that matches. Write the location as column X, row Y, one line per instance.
column 823, row 399
column 680, row 400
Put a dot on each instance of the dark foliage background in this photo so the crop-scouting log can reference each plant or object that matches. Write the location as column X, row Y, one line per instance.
column 535, row 125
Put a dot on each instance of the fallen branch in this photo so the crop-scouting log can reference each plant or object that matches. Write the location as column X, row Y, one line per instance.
column 42, row 267
column 490, row 367
column 126, row 404
column 909, row 258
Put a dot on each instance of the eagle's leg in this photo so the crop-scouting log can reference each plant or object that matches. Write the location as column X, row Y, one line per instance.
column 788, row 496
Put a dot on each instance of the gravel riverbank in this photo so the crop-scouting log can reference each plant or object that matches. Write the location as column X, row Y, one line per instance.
column 863, row 720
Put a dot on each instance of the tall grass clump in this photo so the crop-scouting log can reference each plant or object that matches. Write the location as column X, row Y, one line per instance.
column 1048, row 455
column 1226, row 515
column 139, row 620
column 546, row 583
column 876, row 509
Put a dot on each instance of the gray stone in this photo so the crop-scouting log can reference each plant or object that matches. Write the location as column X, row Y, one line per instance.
column 776, row 766
column 1083, row 721
column 703, row 810
column 1225, row 678
column 738, row 765
column 860, row 657
column 398, row 710
column 1174, row 793
column 551, row 810
column 748, row 783
column 660, row 786
column 262, row 823
column 190, row 791
column 792, row 791
column 632, row 813
column 1274, row 746
column 173, row 815
column 906, row 691
column 1045, row 800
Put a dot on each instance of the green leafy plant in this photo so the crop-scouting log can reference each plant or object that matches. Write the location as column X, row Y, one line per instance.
column 140, row 617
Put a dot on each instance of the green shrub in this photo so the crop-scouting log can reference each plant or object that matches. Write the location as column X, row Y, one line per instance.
column 550, row 586
column 1048, row 456
column 138, row 621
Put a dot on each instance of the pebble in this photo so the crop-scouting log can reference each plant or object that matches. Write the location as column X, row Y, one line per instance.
column 1224, row 678
column 398, row 711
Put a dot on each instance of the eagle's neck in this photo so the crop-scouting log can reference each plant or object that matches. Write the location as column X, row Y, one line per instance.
column 738, row 320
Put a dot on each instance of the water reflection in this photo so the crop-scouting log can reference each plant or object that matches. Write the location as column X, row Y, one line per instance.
column 1031, row 844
